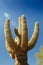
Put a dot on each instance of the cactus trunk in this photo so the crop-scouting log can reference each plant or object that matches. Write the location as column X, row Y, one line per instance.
column 21, row 57
column 21, row 60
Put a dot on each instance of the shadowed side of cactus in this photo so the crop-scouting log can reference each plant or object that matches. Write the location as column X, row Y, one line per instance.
column 18, row 48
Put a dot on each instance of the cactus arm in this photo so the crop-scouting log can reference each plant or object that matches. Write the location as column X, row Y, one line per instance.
column 34, row 37
column 9, row 39
column 18, row 39
column 19, row 26
column 24, row 33
column 16, row 32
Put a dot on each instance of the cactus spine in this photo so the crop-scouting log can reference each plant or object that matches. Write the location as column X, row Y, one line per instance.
column 18, row 48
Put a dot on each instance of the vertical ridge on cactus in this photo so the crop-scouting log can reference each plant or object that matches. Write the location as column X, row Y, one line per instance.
column 18, row 48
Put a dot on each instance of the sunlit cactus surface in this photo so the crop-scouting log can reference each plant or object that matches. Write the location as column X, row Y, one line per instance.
column 19, row 46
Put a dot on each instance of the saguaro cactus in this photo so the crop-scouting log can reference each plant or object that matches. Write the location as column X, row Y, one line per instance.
column 18, row 48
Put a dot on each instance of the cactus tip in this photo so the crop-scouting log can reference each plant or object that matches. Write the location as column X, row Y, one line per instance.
column 37, row 24
column 23, row 16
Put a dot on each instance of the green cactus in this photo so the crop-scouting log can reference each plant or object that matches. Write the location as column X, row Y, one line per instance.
column 18, row 48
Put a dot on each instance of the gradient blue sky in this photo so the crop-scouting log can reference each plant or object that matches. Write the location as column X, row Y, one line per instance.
column 33, row 10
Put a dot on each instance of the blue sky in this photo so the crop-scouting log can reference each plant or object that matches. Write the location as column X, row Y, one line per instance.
column 33, row 10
